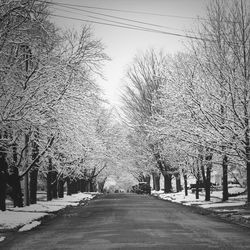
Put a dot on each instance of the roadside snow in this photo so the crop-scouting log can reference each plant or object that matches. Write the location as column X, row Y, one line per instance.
column 236, row 190
column 2, row 238
column 215, row 201
column 186, row 200
column 30, row 216
column 39, row 207
column 224, row 204
column 12, row 219
column 80, row 196
column 246, row 216
column 29, row 226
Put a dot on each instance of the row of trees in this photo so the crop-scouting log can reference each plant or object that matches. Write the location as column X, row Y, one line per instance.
column 190, row 112
column 53, row 124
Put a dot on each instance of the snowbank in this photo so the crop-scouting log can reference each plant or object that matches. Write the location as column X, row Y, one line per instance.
column 2, row 238
column 28, row 217
column 224, row 204
column 29, row 226
column 215, row 201
column 12, row 219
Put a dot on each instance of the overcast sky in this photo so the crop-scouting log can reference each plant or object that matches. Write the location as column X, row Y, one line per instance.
column 122, row 44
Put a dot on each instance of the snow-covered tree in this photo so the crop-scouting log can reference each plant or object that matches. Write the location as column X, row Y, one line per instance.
column 48, row 90
column 145, row 77
column 222, row 74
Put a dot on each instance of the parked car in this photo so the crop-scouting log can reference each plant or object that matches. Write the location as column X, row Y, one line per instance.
column 142, row 188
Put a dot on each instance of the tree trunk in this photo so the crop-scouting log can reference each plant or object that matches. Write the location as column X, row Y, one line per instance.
column 185, row 185
column 26, row 177
column 86, row 186
column 54, row 184
column 92, row 185
column 197, row 194
column 73, row 187
column 49, row 178
column 153, row 178
column 3, row 180
column 101, row 185
column 33, row 185
column 208, row 184
column 83, row 185
column 248, row 159
column 156, row 181
column 16, row 182
column 178, row 182
column 224, row 178
column 34, row 172
column 78, row 185
column 26, row 190
column 206, row 176
column 60, row 187
column 68, row 186
column 167, row 183
column 248, row 181
column 147, row 179
column 2, row 192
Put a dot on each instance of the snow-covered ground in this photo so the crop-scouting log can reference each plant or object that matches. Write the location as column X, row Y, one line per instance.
column 25, row 218
column 216, row 198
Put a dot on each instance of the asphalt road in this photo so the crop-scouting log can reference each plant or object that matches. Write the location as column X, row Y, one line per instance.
column 129, row 221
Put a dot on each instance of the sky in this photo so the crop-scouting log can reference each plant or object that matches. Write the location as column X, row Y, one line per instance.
column 122, row 44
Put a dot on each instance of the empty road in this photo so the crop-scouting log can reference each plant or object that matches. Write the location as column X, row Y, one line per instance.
column 130, row 221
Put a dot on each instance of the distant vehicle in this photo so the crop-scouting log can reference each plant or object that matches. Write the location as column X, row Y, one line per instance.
column 141, row 188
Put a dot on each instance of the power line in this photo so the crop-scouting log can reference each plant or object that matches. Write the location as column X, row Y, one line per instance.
column 129, row 26
column 126, row 25
column 104, row 19
column 120, row 18
column 90, row 21
column 108, row 20
column 198, row 18
column 126, row 11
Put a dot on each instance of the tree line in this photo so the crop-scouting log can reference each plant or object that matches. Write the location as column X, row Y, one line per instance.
column 54, row 127
column 188, row 113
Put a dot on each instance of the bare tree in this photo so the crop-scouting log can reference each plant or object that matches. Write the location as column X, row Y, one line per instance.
column 223, row 61
column 145, row 77
column 43, row 73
